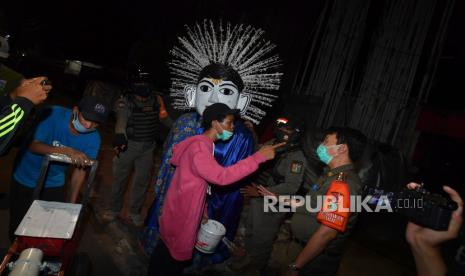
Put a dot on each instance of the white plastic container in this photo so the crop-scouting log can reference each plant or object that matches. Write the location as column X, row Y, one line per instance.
column 210, row 234
column 29, row 263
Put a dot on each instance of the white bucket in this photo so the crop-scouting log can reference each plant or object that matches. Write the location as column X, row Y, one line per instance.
column 210, row 234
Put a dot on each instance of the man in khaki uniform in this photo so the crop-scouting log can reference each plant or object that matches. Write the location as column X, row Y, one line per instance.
column 284, row 178
column 322, row 246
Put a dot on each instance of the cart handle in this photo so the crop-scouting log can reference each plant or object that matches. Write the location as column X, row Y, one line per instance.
column 57, row 157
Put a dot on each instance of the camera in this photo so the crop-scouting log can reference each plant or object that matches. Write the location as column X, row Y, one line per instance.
column 419, row 206
column 432, row 210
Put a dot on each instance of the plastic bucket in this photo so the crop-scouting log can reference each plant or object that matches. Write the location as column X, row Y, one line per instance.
column 210, row 234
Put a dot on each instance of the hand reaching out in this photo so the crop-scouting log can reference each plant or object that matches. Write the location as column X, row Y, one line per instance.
column 265, row 192
column 250, row 191
column 269, row 151
column 79, row 158
column 35, row 90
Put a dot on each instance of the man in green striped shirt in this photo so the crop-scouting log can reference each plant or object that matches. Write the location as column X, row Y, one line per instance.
column 15, row 107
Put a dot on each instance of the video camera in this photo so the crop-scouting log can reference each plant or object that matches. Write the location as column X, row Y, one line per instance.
column 419, row 206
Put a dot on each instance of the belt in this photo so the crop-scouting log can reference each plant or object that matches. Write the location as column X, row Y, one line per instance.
column 300, row 242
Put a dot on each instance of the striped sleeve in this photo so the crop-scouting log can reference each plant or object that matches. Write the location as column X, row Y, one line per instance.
column 11, row 118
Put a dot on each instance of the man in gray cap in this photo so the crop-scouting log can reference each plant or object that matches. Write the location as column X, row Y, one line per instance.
column 283, row 177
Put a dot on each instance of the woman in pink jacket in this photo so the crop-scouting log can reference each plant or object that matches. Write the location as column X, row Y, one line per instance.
column 186, row 197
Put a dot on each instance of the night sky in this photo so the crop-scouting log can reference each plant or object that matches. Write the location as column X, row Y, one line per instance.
column 118, row 32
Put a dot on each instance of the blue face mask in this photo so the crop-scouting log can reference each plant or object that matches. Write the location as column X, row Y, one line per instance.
column 79, row 127
column 225, row 135
column 323, row 154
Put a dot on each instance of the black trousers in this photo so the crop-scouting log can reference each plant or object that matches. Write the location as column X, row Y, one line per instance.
column 162, row 264
column 21, row 200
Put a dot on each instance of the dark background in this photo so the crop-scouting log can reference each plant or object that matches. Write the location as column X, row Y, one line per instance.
column 117, row 33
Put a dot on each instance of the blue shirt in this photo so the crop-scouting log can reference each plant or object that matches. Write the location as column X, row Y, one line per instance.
column 53, row 130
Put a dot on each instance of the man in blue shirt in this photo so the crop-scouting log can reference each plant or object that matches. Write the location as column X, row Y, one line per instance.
column 64, row 131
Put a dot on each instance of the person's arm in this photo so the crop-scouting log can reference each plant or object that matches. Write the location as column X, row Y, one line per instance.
column 428, row 258
column 78, row 178
column 315, row 245
column 209, row 169
column 165, row 118
column 79, row 158
column 122, row 113
column 29, row 93
column 90, row 150
column 11, row 118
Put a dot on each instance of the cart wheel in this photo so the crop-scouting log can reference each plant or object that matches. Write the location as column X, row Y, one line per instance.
column 80, row 265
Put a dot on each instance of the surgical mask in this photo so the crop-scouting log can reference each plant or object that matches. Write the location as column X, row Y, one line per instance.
column 79, row 127
column 323, row 155
column 225, row 135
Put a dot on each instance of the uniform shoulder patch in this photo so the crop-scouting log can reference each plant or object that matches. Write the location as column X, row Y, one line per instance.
column 297, row 166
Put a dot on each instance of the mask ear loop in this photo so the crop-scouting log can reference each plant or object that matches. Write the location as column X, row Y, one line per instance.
column 328, row 147
column 339, row 146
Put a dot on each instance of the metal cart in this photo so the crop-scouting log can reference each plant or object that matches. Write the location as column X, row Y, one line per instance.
column 60, row 251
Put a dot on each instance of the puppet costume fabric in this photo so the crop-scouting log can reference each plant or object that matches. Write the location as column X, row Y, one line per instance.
column 251, row 73
column 185, row 200
column 225, row 203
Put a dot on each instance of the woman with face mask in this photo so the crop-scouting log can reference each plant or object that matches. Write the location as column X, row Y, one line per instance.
column 186, row 196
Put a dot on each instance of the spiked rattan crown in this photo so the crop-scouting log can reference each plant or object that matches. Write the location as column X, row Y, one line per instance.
column 241, row 47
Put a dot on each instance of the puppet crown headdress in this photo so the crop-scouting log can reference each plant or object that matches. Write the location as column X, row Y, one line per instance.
column 241, row 47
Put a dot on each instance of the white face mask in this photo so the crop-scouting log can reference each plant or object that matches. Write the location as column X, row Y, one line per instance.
column 210, row 91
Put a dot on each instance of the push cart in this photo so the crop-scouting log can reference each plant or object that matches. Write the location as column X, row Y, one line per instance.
column 58, row 253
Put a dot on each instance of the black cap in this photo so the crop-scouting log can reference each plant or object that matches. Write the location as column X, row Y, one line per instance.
column 290, row 121
column 217, row 111
column 94, row 109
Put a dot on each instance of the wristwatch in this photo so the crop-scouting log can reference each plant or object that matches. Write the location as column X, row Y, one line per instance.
column 293, row 267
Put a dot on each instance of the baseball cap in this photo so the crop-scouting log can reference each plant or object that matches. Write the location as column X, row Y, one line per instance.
column 290, row 121
column 94, row 109
column 217, row 111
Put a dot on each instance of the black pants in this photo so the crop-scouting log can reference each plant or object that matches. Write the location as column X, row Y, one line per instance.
column 162, row 264
column 21, row 200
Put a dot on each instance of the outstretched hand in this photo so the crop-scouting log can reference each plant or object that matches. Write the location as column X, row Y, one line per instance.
column 269, row 151
column 250, row 191
column 265, row 192
column 36, row 90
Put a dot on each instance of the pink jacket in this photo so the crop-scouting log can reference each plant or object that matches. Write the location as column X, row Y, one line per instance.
column 185, row 199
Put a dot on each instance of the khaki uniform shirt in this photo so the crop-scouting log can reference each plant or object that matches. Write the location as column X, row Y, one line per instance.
column 289, row 173
column 304, row 223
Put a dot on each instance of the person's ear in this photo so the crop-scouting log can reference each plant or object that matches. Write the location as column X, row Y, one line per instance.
column 216, row 125
column 342, row 149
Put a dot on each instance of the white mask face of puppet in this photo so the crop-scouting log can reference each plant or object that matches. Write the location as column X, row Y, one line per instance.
column 210, row 91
